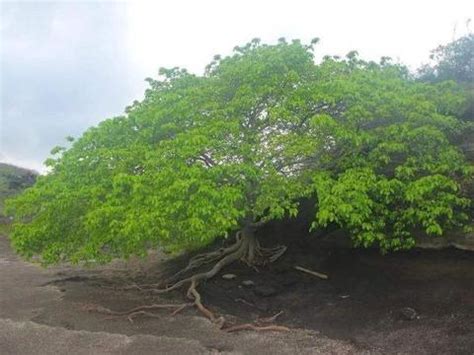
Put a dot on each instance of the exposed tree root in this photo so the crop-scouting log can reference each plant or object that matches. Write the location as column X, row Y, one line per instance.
column 204, row 259
column 135, row 312
column 241, row 300
column 250, row 326
column 246, row 249
column 269, row 319
column 179, row 309
column 261, row 324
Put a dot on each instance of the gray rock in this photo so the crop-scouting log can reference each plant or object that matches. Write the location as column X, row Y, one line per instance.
column 248, row 283
column 229, row 276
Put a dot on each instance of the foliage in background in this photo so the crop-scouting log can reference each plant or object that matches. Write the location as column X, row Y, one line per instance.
column 202, row 156
column 454, row 61
column 13, row 180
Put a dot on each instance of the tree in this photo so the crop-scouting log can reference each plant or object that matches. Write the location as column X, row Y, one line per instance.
column 399, row 169
column 454, row 61
column 203, row 156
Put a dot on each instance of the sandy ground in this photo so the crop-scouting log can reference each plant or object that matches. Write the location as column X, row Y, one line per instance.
column 358, row 310
column 39, row 316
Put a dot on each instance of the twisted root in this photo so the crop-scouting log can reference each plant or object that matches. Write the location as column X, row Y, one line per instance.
column 137, row 311
column 246, row 249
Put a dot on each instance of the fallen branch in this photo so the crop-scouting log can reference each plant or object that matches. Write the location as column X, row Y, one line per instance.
column 311, row 272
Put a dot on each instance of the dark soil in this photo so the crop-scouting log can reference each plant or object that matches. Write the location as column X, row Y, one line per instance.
column 365, row 298
column 420, row 301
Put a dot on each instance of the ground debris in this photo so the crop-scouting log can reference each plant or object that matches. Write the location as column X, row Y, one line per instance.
column 311, row 272
column 409, row 313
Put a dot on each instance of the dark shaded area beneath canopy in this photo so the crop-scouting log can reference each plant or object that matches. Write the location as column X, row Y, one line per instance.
column 365, row 296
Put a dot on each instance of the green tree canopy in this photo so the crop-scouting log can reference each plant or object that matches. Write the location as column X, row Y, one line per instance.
column 204, row 155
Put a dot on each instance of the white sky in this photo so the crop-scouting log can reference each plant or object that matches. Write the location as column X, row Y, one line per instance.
column 105, row 49
column 188, row 33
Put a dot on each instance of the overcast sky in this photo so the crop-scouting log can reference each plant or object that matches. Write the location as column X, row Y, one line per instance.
column 67, row 65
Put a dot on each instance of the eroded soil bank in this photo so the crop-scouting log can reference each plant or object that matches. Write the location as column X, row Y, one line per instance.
column 415, row 302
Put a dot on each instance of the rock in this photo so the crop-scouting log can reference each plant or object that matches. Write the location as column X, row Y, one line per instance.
column 229, row 276
column 248, row 283
column 265, row 291
column 408, row 313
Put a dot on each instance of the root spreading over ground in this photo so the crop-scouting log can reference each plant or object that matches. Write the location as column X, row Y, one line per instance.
column 136, row 311
column 246, row 249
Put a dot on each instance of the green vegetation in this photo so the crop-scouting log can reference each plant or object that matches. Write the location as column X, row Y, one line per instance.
column 13, row 180
column 204, row 156
column 454, row 61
